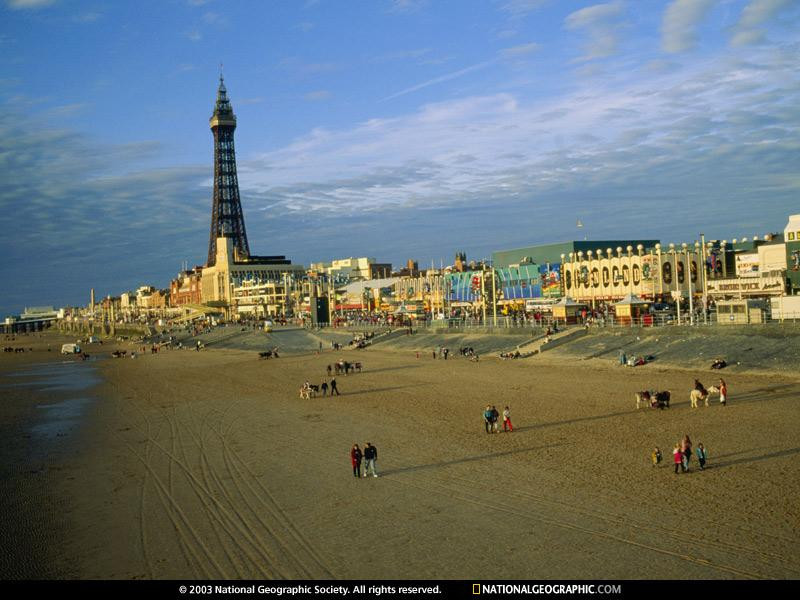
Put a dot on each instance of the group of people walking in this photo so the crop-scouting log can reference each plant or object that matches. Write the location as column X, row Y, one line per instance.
column 369, row 456
column 491, row 418
column 682, row 455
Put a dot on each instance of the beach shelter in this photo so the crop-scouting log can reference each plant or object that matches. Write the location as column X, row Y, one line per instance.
column 568, row 309
column 630, row 308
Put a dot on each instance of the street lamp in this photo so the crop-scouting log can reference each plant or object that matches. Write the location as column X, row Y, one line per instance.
column 688, row 275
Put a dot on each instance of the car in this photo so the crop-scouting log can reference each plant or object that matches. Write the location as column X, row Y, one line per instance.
column 70, row 349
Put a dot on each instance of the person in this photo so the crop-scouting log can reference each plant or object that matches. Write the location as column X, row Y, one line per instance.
column 324, row 388
column 656, row 457
column 333, row 387
column 723, row 392
column 320, row 348
column 701, row 455
column 355, row 459
column 507, row 426
column 434, row 355
column 686, row 449
column 700, row 387
column 329, row 370
column 495, row 419
column 487, row 418
column 677, row 457
column 623, row 360
column 370, row 455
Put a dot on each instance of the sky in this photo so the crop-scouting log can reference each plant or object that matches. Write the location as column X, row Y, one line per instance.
column 393, row 129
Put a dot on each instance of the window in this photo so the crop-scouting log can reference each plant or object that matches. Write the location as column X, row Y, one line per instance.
column 569, row 279
column 680, row 272
column 637, row 275
column 667, row 271
column 605, row 277
column 595, row 277
column 626, row 275
column 615, row 275
column 693, row 271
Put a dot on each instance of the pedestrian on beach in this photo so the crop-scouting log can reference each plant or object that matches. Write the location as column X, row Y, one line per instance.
column 434, row 355
column 656, row 457
column 686, row 448
column 701, row 455
column 723, row 392
column 487, row 418
column 330, row 370
column 371, row 456
column 333, row 387
column 495, row 420
column 355, row 460
column 677, row 458
column 324, row 388
column 507, row 426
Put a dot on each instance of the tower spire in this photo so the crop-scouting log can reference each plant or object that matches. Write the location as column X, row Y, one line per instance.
column 227, row 219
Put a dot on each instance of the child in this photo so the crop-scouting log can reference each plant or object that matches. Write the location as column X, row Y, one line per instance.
column 656, row 456
column 701, row 455
column 677, row 457
column 507, row 426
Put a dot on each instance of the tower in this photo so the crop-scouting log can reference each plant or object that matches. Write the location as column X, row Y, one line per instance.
column 227, row 219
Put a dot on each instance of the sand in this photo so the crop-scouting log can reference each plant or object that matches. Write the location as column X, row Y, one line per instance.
column 208, row 465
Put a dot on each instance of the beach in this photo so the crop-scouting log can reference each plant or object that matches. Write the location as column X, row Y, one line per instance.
column 208, row 465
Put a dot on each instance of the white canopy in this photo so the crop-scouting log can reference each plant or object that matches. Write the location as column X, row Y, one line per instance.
column 631, row 299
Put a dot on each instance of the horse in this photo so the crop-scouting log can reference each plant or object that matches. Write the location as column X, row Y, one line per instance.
column 267, row 354
column 642, row 399
column 697, row 395
column 357, row 367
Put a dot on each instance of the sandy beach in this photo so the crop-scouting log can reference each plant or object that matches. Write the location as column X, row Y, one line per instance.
column 208, row 465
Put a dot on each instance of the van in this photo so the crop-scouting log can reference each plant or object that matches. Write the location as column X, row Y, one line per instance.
column 70, row 349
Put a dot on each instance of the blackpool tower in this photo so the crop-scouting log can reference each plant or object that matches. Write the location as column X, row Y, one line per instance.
column 227, row 219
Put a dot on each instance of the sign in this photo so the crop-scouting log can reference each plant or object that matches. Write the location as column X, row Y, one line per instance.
column 676, row 294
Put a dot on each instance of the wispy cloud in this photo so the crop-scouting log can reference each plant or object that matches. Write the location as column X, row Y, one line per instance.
column 194, row 35
column 521, row 50
column 25, row 4
column 599, row 22
column 440, row 79
column 521, row 8
column 749, row 29
column 681, row 19
column 318, row 95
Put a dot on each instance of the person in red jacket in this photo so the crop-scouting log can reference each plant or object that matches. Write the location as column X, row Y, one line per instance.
column 355, row 459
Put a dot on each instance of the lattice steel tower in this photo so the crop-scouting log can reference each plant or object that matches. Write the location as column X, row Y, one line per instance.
column 227, row 219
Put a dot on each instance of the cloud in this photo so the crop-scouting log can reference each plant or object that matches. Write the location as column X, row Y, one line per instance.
column 521, row 8
column 318, row 95
column 599, row 22
column 25, row 4
column 440, row 79
column 521, row 50
column 722, row 131
column 749, row 29
column 194, row 35
column 681, row 19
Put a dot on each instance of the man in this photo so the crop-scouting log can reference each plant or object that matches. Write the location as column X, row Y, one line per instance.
column 370, row 455
column 495, row 419
column 487, row 418
column 334, row 388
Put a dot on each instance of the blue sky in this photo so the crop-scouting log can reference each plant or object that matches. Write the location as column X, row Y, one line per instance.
column 394, row 129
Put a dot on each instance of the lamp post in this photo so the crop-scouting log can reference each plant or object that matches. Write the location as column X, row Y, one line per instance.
column 494, row 300
column 675, row 296
column 688, row 271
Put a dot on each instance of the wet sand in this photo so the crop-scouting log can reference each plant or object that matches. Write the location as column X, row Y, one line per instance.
column 207, row 464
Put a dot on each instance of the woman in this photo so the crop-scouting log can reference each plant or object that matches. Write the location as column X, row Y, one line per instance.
column 723, row 392
column 355, row 459
column 686, row 449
